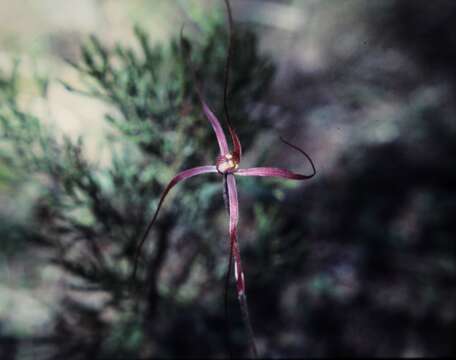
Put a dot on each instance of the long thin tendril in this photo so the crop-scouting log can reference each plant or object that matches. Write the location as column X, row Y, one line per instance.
column 228, row 63
column 314, row 170
column 234, row 137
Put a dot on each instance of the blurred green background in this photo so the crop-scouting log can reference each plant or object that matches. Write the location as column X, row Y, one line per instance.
column 98, row 112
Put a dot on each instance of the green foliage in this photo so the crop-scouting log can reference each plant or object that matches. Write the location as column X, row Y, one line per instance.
column 90, row 217
column 152, row 91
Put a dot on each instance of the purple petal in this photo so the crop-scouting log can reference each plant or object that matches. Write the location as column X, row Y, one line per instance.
column 221, row 139
column 270, row 171
column 175, row 180
column 234, row 218
column 238, row 272
column 237, row 152
column 279, row 172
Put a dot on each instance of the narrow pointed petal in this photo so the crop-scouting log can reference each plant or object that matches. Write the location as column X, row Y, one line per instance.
column 279, row 172
column 221, row 139
column 238, row 271
column 220, row 135
column 237, row 151
column 186, row 174
column 274, row 172
column 234, row 219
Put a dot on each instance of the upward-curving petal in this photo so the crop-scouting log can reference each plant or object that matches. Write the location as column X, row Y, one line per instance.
column 220, row 135
column 237, row 151
column 175, row 180
column 279, row 172
column 215, row 123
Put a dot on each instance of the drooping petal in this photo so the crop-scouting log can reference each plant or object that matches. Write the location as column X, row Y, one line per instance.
column 238, row 272
column 175, row 180
column 234, row 219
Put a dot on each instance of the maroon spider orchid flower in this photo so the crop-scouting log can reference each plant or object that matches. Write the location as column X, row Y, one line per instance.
column 227, row 165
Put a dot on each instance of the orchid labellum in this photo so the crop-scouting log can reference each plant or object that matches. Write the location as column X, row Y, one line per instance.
column 228, row 166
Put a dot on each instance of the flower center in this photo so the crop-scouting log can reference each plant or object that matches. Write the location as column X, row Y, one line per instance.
column 226, row 164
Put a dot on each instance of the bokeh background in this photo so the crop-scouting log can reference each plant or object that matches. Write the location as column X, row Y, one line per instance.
column 359, row 261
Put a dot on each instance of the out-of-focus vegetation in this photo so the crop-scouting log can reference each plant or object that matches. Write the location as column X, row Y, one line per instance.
column 360, row 261
column 89, row 217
